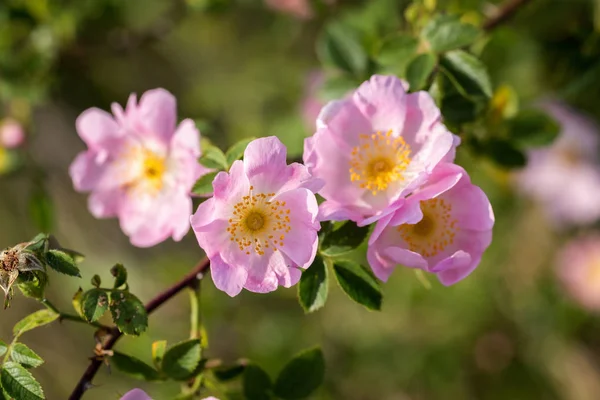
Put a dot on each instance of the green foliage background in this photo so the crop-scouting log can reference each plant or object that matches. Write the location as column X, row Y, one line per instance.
column 507, row 332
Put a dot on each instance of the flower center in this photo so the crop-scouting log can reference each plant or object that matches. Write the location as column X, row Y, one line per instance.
column 10, row 260
column 154, row 168
column 258, row 223
column 434, row 232
column 378, row 161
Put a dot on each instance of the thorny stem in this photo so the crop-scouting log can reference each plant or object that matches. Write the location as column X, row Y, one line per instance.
column 505, row 12
column 114, row 334
column 72, row 317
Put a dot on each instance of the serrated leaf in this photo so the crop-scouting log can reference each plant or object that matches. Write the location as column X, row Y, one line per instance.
column 419, row 70
column 467, row 73
column 128, row 312
column 340, row 47
column 32, row 284
column 358, row 284
column 38, row 243
column 203, row 186
column 236, row 151
column 94, row 304
column 34, row 320
column 212, row 157
column 134, row 367
column 314, row 286
column 301, row 376
column 19, row 383
column 158, row 352
column 25, row 356
column 257, row 383
column 504, row 153
column 228, row 373
column 120, row 274
column 3, row 348
column 181, row 360
column 533, row 128
column 446, row 32
column 397, row 50
column 77, row 297
column 75, row 255
column 344, row 239
column 62, row 262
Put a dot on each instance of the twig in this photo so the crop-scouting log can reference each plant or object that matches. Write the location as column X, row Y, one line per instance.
column 506, row 12
column 114, row 334
column 72, row 317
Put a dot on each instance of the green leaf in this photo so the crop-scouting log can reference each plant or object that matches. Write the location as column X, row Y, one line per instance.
column 301, row 376
column 96, row 281
column 134, row 367
column 41, row 209
column 3, row 395
column 32, row 321
column 38, row 243
column 358, row 284
column 257, row 383
column 94, row 304
column 25, row 356
column 128, row 312
column 236, row 151
column 446, row 32
column 75, row 255
column 455, row 108
column 32, row 284
column 3, row 348
column 228, row 373
column 203, row 186
column 504, row 153
column 62, row 262
column 212, row 157
column 181, row 360
column 419, row 70
column 396, row 51
column 467, row 73
column 158, row 352
column 532, row 128
column 19, row 383
column 336, row 87
column 77, row 297
column 344, row 239
column 120, row 274
column 340, row 47
column 314, row 286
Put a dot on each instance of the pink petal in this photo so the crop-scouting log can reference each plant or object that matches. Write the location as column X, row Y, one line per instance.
column 158, row 112
column 456, row 268
column 405, row 257
column 187, row 137
column 96, row 127
column 226, row 277
column 383, row 100
column 233, row 185
column 136, row 394
column 85, row 172
column 105, row 204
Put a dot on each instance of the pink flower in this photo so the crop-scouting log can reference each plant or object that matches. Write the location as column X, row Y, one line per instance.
column 578, row 268
column 374, row 148
column 139, row 167
column 565, row 176
column 300, row 9
column 443, row 228
column 260, row 228
column 12, row 134
column 136, row 394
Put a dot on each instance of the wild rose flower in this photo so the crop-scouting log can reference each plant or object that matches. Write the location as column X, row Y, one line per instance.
column 443, row 228
column 565, row 176
column 260, row 227
column 12, row 134
column 375, row 147
column 300, row 9
column 136, row 394
column 139, row 167
column 578, row 269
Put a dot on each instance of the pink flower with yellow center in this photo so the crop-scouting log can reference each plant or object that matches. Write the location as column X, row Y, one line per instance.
column 259, row 230
column 139, row 166
column 578, row 268
column 375, row 147
column 443, row 228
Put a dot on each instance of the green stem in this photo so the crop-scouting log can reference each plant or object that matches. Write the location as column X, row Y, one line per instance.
column 195, row 311
column 72, row 317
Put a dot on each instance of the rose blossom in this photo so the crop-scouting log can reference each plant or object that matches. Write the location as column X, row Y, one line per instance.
column 260, row 227
column 136, row 394
column 12, row 134
column 578, row 268
column 300, row 9
column 374, row 147
column 565, row 176
column 443, row 228
column 139, row 166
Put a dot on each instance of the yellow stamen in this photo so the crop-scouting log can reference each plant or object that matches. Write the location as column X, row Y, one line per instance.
column 378, row 161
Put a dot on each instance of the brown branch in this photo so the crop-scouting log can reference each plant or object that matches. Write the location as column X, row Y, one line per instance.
column 114, row 334
column 506, row 12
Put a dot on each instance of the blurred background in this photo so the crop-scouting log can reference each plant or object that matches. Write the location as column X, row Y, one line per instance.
column 524, row 326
